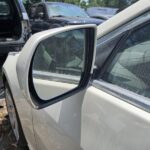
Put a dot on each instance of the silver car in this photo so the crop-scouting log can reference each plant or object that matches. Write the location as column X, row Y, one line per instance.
column 62, row 94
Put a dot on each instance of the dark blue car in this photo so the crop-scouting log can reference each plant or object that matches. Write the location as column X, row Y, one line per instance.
column 101, row 12
column 47, row 15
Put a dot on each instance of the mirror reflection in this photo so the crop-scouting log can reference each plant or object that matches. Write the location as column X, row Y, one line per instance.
column 58, row 63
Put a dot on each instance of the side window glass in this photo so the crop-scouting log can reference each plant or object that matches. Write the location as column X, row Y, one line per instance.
column 4, row 8
column 130, row 68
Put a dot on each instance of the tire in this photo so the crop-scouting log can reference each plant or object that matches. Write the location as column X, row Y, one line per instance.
column 14, row 119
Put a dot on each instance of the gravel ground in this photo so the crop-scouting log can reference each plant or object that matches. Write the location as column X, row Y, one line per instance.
column 7, row 141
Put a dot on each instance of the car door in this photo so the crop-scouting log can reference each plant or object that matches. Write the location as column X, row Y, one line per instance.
column 112, row 112
column 115, row 109
column 37, row 18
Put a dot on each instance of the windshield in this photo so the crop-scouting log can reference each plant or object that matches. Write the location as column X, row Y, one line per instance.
column 104, row 12
column 65, row 10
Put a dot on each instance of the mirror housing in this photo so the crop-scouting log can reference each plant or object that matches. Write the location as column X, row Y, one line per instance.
column 27, row 53
column 32, row 13
column 41, row 15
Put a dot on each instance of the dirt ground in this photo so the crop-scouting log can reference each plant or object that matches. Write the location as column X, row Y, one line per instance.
column 7, row 141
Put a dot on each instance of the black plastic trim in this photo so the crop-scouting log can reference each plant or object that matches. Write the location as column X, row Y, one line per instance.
column 119, row 48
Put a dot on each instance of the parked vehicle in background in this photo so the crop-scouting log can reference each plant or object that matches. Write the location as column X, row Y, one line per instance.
column 14, row 26
column 48, row 15
column 101, row 12
column 58, row 99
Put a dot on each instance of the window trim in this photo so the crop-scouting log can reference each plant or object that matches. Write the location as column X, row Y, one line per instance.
column 112, row 54
column 123, row 94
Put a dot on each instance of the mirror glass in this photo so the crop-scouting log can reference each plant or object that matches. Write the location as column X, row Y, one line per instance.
column 58, row 63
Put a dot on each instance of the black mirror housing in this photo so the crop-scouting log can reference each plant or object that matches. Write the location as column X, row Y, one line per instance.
column 40, row 15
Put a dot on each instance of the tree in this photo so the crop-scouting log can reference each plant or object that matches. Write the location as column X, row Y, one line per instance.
column 83, row 4
column 121, row 4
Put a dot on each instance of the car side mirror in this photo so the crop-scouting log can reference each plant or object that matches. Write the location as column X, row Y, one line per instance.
column 41, row 15
column 56, row 63
column 32, row 13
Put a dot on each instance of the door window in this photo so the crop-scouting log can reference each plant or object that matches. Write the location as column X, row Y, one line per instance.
column 130, row 68
column 4, row 8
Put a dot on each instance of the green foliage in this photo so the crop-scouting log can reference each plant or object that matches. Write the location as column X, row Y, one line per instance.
column 93, row 3
column 111, row 3
column 83, row 4
column 77, row 2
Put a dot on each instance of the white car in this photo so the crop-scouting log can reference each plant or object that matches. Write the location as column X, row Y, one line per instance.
column 60, row 96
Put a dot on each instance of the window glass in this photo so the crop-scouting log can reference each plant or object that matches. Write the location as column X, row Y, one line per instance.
column 4, row 8
column 130, row 68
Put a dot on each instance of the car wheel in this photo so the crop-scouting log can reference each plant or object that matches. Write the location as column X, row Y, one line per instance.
column 14, row 119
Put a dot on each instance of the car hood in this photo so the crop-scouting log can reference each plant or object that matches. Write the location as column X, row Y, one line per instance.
column 79, row 20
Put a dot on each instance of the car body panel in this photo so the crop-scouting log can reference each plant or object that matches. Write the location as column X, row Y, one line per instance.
column 63, row 126
column 23, row 108
column 89, row 119
column 110, row 123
